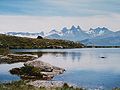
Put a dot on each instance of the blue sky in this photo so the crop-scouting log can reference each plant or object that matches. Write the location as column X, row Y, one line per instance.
column 45, row 14
column 59, row 7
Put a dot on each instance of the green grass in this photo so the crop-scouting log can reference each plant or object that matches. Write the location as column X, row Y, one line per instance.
column 21, row 43
column 4, row 51
column 27, row 72
column 21, row 85
column 116, row 88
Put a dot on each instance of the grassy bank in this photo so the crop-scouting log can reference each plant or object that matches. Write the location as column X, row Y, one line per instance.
column 21, row 85
column 4, row 51
column 22, row 42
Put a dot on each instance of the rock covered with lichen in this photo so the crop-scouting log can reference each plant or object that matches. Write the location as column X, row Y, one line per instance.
column 45, row 67
column 37, row 70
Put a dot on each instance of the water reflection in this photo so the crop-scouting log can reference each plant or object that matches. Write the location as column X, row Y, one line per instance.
column 5, row 75
column 74, row 55
column 84, row 67
column 84, row 59
column 39, row 54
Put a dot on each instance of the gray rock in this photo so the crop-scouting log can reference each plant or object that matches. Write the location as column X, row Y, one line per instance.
column 47, row 69
column 47, row 84
column 12, row 58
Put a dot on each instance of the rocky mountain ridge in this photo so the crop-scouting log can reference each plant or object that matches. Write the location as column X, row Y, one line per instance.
column 99, row 36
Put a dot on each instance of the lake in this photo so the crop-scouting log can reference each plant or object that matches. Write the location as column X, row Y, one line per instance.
column 86, row 67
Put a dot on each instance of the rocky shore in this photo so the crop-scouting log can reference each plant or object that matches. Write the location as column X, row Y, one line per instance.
column 37, row 70
column 12, row 58
column 35, row 75
column 39, row 85
column 39, row 73
column 49, row 84
column 46, row 84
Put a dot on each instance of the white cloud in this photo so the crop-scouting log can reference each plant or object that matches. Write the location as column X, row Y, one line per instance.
column 39, row 23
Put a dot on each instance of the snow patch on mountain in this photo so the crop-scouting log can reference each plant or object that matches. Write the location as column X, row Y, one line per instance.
column 25, row 34
column 99, row 32
column 73, row 34
column 112, row 39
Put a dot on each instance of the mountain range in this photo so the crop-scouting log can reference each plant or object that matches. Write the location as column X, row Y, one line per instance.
column 98, row 36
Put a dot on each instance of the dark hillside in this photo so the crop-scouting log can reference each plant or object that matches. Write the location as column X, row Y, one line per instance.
column 21, row 43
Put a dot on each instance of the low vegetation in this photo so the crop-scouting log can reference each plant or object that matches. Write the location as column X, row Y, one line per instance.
column 27, row 72
column 21, row 85
column 14, row 42
column 4, row 51
column 13, row 58
column 116, row 88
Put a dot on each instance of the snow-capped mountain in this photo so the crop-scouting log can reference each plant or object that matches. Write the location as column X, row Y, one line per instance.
column 73, row 34
column 112, row 39
column 53, row 32
column 25, row 34
column 98, row 36
column 99, row 32
column 53, row 36
column 64, row 30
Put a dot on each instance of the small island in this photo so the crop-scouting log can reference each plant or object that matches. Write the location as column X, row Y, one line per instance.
column 37, row 70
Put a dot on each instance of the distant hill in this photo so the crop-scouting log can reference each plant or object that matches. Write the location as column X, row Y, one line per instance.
column 23, row 42
column 112, row 39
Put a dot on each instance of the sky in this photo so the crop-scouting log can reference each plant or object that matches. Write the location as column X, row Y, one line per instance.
column 45, row 15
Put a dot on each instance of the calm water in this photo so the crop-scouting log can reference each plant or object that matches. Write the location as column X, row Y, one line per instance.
column 5, row 76
column 84, row 67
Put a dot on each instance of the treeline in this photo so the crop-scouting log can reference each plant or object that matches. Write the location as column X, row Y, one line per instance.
column 14, row 42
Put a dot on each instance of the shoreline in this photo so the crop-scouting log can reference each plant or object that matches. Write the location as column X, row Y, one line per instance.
column 13, row 58
column 48, row 73
column 116, row 89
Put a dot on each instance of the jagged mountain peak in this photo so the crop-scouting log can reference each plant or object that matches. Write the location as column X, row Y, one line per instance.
column 99, row 31
column 103, row 28
column 75, row 33
column 78, row 27
column 99, row 28
column 53, row 31
column 64, row 30
column 73, row 27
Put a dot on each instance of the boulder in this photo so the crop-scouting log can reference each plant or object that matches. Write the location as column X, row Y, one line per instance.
column 37, row 70
column 46, row 68
column 39, row 37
